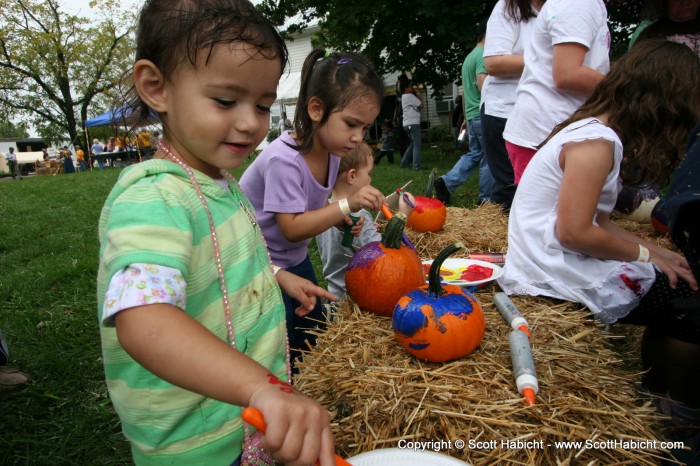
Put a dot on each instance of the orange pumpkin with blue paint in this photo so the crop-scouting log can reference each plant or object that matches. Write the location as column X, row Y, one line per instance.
column 439, row 323
column 381, row 272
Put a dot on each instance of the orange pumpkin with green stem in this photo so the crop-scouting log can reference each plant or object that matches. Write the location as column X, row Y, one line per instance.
column 382, row 271
column 429, row 214
column 439, row 323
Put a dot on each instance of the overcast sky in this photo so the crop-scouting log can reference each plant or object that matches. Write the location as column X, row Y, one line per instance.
column 82, row 7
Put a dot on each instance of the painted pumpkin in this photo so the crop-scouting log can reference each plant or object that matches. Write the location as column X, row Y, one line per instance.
column 636, row 203
column 430, row 214
column 659, row 218
column 382, row 271
column 439, row 323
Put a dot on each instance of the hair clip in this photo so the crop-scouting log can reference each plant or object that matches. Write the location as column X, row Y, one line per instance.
column 327, row 54
column 344, row 61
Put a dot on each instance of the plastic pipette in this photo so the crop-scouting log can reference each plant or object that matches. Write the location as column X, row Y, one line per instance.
column 523, row 366
column 510, row 313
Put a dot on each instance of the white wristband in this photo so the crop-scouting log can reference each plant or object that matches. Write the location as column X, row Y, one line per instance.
column 344, row 206
column 643, row 254
column 275, row 269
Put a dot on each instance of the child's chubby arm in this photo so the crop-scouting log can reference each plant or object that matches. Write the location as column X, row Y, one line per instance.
column 303, row 291
column 178, row 349
column 305, row 225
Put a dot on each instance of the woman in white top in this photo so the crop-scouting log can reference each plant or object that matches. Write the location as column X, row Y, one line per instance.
column 566, row 57
column 561, row 241
column 507, row 34
column 411, row 105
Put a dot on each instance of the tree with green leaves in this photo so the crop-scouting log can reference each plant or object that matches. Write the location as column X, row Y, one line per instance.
column 56, row 67
column 9, row 129
column 429, row 39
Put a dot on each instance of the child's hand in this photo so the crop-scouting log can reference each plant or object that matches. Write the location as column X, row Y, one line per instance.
column 298, row 429
column 406, row 207
column 357, row 227
column 303, row 291
column 367, row 197
column 673, row 265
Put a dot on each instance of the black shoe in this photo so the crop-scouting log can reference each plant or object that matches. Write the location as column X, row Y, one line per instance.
column 441, row 191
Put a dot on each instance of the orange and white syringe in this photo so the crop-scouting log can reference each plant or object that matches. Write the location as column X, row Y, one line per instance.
column 523, row 366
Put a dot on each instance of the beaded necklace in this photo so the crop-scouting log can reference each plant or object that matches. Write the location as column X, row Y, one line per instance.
column 253, row 453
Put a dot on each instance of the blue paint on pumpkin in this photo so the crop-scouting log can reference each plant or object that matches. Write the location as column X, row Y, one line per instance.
column 411, row 318
column 406, row 321
column 419, row 346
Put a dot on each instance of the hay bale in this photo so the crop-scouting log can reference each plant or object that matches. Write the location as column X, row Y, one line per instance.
column 482, row 229
column 379, row 395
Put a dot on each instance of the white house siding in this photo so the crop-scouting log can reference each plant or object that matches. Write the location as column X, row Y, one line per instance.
column 288, row 89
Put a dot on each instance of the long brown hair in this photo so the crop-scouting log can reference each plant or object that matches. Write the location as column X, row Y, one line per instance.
column 520, row 10
column 652, row 99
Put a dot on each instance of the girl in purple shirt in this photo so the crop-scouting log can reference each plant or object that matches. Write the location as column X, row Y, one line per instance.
column 290, row 181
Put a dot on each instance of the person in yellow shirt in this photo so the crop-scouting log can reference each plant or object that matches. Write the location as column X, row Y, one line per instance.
column 81, row 157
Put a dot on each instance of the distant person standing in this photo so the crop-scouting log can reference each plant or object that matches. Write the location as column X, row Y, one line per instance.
column 473, row 76
column 96, row 151
column 284, row 124
column 410, row 105
column 12, row 164
column 68, row 166
column 80, row 155
column 397, row 121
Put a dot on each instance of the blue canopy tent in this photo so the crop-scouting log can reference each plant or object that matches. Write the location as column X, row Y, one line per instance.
column 122, row 116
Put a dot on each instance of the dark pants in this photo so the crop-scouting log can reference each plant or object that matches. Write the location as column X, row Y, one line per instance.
column 402, row 137
column 15, row 169
column 297, row 327
column 389, row 155
column 498, row 160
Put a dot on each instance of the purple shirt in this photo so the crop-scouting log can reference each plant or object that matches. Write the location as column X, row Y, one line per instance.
column 279, row 181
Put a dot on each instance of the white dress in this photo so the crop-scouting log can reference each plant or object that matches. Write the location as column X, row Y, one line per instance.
column 539, row 265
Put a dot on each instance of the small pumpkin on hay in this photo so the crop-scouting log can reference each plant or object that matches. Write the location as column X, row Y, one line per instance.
column 439, row 323
column 381, row 272
column 429, row 214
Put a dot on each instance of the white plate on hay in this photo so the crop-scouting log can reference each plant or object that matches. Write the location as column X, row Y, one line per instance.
column 403, row 457
column 453, row 271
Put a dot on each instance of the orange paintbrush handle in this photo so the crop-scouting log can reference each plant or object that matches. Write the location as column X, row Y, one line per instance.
column 255, row 418
column 387, row 212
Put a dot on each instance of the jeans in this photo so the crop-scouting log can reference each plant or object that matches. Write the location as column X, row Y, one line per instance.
column 497, row 157
column 466, row 164
column 413, row 150
column 297, row 326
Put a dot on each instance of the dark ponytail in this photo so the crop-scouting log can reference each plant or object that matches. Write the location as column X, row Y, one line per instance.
column 336, row 79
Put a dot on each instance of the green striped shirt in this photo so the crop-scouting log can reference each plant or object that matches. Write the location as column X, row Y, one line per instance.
column 153, row 215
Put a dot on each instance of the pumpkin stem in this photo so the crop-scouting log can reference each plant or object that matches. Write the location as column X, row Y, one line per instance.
column 434, row 286
column 394, row 231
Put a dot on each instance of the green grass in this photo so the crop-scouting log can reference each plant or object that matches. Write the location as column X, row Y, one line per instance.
column 48, row 267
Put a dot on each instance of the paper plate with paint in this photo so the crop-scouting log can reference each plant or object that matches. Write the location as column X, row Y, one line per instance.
column 403, row 457
column 466, row 272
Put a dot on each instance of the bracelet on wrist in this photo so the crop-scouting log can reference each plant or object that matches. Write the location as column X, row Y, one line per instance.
column 344, row 206
column 275, row 269
column 643, row 254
